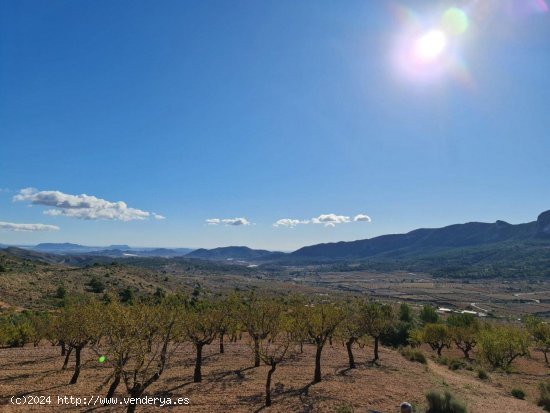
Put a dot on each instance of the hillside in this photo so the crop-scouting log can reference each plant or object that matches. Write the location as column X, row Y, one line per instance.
column 426, row 241
column 120, row 250
column 30, row 279
column 233, row 253
column 230, row 384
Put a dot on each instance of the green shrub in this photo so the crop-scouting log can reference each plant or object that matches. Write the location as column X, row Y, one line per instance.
column 126, row 295
column 96, row 285
column 396, row 335
column 518, row 393
column 456, row 364
column 61, row 292
column 444, row 403
column 428, row 314
column 544, row 396
column 443, row 361
column 405, row 313
column 345, row 408
column 15, row 330
column 482, row 374
column 413, row 355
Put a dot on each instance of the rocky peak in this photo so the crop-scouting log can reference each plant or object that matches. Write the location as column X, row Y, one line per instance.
column 543, row 225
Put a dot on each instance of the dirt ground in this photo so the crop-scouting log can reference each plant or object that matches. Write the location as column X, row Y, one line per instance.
column 230, row 384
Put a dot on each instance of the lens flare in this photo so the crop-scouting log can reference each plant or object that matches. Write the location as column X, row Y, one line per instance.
column 430, row 45
column 525, row 8
column 455, row 21
column 542, row 6
column 427, row 49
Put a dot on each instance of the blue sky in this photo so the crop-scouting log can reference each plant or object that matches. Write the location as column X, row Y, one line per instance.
column 267, row 110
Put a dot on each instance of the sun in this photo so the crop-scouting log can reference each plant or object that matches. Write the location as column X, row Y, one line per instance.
column 429, row 46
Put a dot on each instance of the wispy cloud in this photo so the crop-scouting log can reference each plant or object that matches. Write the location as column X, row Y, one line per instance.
column 289, row 223
column 9, row 226
column 328, row 220
column 82, row 206
column 236, row 222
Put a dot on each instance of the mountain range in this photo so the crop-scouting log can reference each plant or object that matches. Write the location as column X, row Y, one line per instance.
column 461, row 250
column 123, row 250
column 419, row 242
column 434, row 240
column 234, row 253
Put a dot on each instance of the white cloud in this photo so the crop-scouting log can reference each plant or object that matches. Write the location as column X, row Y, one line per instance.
column 330, row 220
column 290, row 223
column 362, row 218
column 158, row 216
column 8, row 226
column 82, row 206
column 228, row 221
column 236, row 221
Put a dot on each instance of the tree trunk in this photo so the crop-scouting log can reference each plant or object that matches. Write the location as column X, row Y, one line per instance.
column 63, row 348
column 197, row 377
column 67, row 355
column 317, row 375
column 439, row 351
column 256, row 352
column 77, row 365
column 134, row 393
column 376, row 358
column 268, row 384
column 545, row 356
column 113, row 386
column 301, row 346
column 349, row 344
column 221, row 344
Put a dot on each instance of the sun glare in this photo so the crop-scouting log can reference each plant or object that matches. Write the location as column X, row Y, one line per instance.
column 428, row 48
column 430, row 45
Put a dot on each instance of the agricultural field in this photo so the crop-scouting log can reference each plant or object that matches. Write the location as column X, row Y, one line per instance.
column 230, row 382
column 498, row 297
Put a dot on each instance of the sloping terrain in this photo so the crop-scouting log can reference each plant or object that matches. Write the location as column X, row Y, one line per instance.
column 230, row 384
column 233, row 253
column 432, row 241
column 30, row 280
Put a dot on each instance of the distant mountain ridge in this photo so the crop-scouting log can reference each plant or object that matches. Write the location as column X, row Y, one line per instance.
column 430, row 240
column 233, row 253
column 122, row 250
column 434, row 243
column 65, row 246
column 472, row 250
